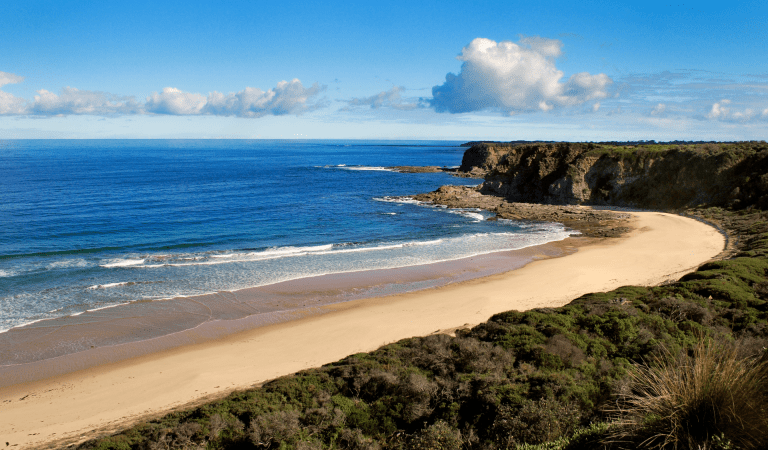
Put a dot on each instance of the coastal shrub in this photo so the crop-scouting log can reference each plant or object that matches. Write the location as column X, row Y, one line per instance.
column 438, row 436
column 544, row 378
column 270, row 430
column 696, row 401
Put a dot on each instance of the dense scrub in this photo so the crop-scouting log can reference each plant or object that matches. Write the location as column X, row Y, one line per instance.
column 520, row 379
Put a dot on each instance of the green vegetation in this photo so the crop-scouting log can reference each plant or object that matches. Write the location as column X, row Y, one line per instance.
column 540, row 379
column 712, row 398
column 682, row 365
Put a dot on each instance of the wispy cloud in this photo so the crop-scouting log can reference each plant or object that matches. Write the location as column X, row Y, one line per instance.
column 659, row 109
column 697, row 94
column 387, row 99
column 9, row 78
column 514, row 78
column 288, row 97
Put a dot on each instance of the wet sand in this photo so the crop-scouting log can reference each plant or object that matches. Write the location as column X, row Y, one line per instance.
column 40, row 404
column 54, row 347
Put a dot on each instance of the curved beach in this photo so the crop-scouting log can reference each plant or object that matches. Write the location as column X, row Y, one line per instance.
column 69, row 407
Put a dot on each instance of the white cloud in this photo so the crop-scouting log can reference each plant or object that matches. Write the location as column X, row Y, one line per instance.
column 175, row 102
column 74, row 101
column 9, row 78
column 514, row 78
column 719, row 110
column 596, row 107
column 544, row 46
column 722, row 112
column 9, row 103
column 659, row 109
column 391, row 99
column 287, row 98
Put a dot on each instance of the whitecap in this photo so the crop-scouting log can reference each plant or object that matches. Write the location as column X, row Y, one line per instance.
column 123, row 263
column 109, row 285
column 66, row 263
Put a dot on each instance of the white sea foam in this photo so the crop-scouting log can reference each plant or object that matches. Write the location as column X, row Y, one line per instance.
column 123, row 263
column 432, row 242
column 362, row 249
column 369, row 168
column 400, row 199
column 292, row 250
column 108, row 285
column 106, row 307
column 235, row 257
column 364, row 168
column 477, row 217
column 68, row 263
column 7, row 273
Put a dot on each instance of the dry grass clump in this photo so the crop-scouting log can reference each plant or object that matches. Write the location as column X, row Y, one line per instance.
column 713, row 398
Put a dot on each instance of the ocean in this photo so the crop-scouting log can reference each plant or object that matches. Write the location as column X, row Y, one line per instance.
column 90, row 224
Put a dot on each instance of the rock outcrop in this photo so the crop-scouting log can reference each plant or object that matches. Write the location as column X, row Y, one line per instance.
column 668, row 177
column 590, row 222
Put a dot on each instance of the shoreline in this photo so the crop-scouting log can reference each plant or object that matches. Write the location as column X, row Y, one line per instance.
column 661, row 246
column 55, row 347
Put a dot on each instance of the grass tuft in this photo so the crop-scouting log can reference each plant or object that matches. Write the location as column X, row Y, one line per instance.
column 709, row 398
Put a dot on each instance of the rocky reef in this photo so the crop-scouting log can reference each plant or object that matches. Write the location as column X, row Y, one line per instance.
column 589, row 221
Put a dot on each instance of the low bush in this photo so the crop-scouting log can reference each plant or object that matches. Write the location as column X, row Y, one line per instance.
column 708, row 398
column 540, row 379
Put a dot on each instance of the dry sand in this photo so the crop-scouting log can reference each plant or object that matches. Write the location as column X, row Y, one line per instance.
column 69, row 407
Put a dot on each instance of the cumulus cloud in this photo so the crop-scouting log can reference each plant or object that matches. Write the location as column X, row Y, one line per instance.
column 287, row 98
column 723, row 112
column 719, row 110
column 391, row 99
column 74, row 101
column 514, row 78
column 12, row 105
column 175, row 102
column 9, row 103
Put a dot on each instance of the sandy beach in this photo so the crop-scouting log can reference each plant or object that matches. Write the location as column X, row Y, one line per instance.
column 69, row 407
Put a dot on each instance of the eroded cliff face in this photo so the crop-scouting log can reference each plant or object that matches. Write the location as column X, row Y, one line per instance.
column 653, row 176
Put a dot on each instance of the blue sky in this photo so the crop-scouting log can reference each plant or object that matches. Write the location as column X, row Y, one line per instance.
column 499, row 70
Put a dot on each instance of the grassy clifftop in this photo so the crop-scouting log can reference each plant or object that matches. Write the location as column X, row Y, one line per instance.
column 559, row 378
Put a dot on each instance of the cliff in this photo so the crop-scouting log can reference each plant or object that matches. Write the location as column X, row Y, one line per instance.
column 666, row 177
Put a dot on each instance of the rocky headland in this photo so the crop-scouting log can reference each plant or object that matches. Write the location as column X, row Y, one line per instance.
column 665, row 177
column 552, row 181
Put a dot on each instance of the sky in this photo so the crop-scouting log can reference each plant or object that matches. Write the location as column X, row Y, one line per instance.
column 446, row 70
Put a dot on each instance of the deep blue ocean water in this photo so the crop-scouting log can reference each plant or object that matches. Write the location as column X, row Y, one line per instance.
column 91, row 224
